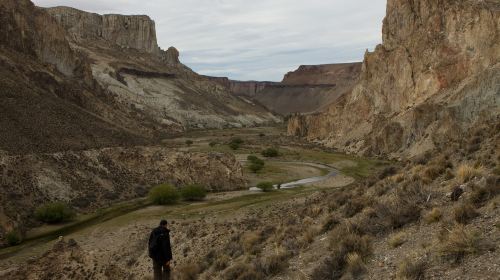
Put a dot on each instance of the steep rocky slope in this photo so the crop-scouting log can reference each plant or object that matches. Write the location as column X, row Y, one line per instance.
column 127, row 61
column 435, row 76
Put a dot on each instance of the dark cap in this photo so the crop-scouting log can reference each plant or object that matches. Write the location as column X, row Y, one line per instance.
column 163, row 222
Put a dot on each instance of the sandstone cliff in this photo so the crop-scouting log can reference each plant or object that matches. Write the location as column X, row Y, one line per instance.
column 434, row 76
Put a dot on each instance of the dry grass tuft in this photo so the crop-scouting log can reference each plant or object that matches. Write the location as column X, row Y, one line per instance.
column 397, row 239
column 466, row 172
column 273, row 264
column 460, row 242
column 250, row 241
column 433, row 216
column 355, row 265
column 464, row 213
column 411, row 269
column 187, row 272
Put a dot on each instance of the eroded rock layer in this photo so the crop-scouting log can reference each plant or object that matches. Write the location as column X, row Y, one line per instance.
column 436, row 74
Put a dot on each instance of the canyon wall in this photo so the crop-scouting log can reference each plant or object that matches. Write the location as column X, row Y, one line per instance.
column 435, row 75
column 325, row 74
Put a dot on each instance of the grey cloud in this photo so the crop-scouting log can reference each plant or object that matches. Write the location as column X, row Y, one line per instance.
column 258, row 39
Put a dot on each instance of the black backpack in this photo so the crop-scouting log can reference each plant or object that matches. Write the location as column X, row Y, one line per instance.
column 154, row 244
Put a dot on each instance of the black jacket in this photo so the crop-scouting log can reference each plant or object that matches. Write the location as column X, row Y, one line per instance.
column 159, row 245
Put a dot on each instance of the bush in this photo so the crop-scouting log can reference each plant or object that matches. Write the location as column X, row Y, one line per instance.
column 189, row 142
column 256, row 164
column 261, row 135
column 265, row 186
column 193, row 193
column 270, row 152
column 212, row 144
column 13, row 238
column 164, row 195
column 56, row 212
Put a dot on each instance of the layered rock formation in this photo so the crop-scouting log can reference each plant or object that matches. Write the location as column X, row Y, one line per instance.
column 326, row 74
column 435, row 75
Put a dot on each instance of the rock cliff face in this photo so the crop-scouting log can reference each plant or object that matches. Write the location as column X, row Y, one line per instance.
column 27, row 29
column 435, row 75
column 136, row 32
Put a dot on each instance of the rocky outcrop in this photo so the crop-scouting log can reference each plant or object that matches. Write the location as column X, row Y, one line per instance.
column 435, row 75
column 27, row 29
column 91, row 179
column 137, row 32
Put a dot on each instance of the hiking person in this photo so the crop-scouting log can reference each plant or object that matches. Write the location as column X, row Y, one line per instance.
column 160, row 251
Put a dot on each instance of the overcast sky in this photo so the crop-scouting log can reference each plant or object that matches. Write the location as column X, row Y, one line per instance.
column 254, row 39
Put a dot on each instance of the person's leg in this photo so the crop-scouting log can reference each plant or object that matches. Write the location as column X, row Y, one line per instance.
column 157, row 267
column 166, row 272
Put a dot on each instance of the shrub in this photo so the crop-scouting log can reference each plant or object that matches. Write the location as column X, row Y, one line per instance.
column 164, row 195
column 56, row 212
column 237, row 140
column 256, row 167
column 265, row 186
column 212, row 144
column 433, row 216
column 13, row 238
column 189, row 142
column 270, row 152
column 193, row 193
column 459, row 243
column 464, row 213
column 256, row 164
column 411, row 269
column 262, row 134
column 397, row 240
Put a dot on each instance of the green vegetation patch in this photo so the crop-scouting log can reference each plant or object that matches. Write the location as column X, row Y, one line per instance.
column 55, row 212
column 164, row 194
